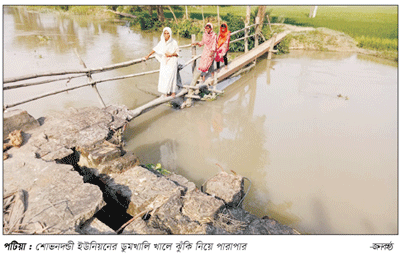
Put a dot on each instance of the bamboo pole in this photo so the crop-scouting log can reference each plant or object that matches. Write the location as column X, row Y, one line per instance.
column 90, row 79
column 91, row 83
column 242, row 38
column 45, row 95
column 246, row 31
column 260, row 22
column 150, row 105
column 78, row 71
column 41, row 82
column 269, row 23
column 193, row 52
column 271, row 47
column 256, row 32
column 191, row 60
column 237, row 31
column 80, row 86
column 95, row 70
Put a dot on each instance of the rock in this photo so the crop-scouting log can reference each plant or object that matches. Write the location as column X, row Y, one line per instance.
column 228, row 187
column 50, row 151
column 144, row 189
column 119, row 165
column 84, row 128
column 16, row 138
column 182, row 181
column 121, row 112
column 58, row 200
column 95, row 227
column 170, row 217
column 101, row 154
column 56, row 195
column 252, row 225
column 140, row 227
column 17, row 120
column 201, row 207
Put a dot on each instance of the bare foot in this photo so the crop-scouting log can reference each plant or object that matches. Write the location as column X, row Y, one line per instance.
column 173, row 95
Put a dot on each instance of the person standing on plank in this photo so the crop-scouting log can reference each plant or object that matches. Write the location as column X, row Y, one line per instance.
column 224, row 38
column 207, row 57
column 167, row 54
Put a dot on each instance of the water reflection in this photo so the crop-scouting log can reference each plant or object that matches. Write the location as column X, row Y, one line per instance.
column 56, row 32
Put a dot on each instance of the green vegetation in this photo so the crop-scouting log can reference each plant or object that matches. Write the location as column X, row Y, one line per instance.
column 372, row 27
column 158, row 168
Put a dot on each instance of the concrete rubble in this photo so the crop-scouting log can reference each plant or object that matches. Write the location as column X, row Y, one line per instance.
column 75, row 174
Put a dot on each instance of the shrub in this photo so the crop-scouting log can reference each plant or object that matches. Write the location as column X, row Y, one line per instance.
column 147, row 22
column 185, row 28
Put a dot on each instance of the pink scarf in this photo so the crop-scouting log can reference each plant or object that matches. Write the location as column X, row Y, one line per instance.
column 209, row 38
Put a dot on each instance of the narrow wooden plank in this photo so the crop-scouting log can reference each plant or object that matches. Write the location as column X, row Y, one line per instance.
column 245, row 59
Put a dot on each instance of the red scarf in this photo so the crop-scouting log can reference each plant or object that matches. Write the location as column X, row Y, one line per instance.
column 222, row 36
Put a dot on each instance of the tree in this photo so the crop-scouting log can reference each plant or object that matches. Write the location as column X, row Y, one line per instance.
column 170, row 9
column 260, row 17
column 160, row 13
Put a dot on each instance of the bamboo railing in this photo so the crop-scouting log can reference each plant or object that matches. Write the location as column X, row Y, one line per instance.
column 89, row 71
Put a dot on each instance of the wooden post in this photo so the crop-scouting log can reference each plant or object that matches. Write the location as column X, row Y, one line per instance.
column 256, row 33
column 193, row 52
column 90, row 79
column 313, row 11
column 271, row 46
column 246, row 31
column 259, row 21
column 269, row 23
column 187, row 15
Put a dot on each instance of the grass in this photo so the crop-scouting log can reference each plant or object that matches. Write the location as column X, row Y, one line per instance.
column 373, row 27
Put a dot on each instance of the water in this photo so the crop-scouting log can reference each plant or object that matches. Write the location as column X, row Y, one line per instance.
column 317, row 162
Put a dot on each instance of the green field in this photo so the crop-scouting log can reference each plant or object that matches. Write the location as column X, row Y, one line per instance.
column 374, row 27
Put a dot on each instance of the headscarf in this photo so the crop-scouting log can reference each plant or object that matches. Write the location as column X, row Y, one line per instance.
column 208, row 37
column 170, row 46
column 222, row 35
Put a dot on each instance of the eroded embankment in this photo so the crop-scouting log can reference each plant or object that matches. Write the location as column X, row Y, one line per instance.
column 71, row 175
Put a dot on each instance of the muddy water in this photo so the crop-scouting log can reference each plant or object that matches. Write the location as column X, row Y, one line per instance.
column 317, row 162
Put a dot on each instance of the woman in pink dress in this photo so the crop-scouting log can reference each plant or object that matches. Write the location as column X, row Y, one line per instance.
column 210, row 45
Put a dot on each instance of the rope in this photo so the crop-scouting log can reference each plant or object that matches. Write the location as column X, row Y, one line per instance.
column 248, row 189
